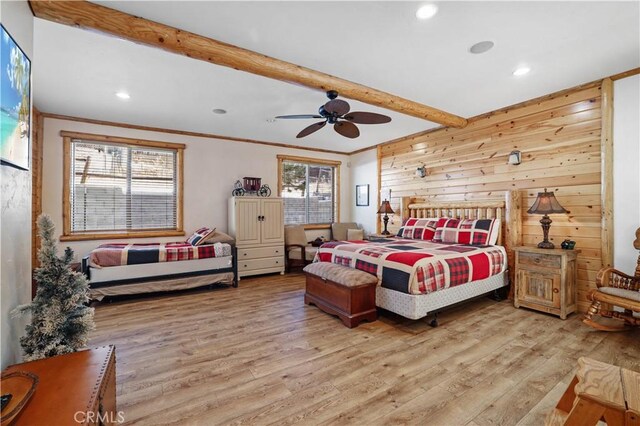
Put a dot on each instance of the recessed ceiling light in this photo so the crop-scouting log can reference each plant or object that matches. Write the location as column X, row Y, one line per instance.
column 521, row 71
column 219, row 111
column 481, row 47
column 427, row 11
column 123, row 95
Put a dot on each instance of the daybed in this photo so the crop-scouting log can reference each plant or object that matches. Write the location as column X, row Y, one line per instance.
column 119, row 268
column 418, row 276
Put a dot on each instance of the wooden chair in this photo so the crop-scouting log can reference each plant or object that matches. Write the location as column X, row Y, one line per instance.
column 618, row 289
column 298, row 252
column 599, row 391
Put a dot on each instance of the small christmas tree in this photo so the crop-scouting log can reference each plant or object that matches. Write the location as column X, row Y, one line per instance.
column 60, row 320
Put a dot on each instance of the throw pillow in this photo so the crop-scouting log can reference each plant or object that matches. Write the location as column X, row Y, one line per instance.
column 418, row 229
column 355, row 234
column 200, row 235
column 467, row 231
column 219, row 237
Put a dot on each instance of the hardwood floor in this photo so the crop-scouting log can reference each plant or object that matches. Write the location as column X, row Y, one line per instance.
column 258, row 355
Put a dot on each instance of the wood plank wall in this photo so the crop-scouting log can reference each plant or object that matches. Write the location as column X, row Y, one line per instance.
column 559, row 137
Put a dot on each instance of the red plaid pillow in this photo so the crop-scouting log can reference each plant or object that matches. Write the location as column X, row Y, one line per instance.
column 446, row 230
column 200, row 236
column 467, row 231
column 418, row 229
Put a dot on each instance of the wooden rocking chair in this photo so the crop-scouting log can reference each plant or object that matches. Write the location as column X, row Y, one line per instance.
column 619, row 289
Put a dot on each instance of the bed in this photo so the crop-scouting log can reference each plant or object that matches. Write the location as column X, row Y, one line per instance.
column 117, row 269
column 418, row 276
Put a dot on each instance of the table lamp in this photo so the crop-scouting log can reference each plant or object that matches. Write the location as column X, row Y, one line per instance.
column 546, row 204
column 385, row 208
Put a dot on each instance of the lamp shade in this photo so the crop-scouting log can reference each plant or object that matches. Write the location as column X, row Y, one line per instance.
column 385, row 208
column 546, row 203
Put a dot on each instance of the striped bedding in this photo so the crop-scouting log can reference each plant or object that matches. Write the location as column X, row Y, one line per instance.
column 416, row 266
column 118, row 254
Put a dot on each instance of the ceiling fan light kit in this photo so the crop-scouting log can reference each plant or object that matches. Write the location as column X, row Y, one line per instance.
column 337, row 112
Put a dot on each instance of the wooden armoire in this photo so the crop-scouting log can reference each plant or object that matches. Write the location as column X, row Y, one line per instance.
column 257, row 224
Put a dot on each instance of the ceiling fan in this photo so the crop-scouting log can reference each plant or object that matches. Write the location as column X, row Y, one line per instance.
column 336, row 112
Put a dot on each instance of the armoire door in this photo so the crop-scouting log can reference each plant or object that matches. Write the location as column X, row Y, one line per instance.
column 272, row 222
column 247, row 212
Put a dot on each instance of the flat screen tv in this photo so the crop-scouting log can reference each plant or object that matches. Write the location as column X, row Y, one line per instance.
column 15, row 103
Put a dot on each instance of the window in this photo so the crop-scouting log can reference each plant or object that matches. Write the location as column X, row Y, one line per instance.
column 116, row 187
column 310, row 188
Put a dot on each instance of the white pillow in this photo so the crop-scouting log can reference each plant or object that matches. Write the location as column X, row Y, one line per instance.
column 355, row 234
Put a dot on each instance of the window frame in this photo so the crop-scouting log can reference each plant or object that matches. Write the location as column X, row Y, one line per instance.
column 314, row 162
column 68, row 235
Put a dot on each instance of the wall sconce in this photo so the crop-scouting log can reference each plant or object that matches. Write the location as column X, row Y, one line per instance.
column 421, row 171
column 515, row 158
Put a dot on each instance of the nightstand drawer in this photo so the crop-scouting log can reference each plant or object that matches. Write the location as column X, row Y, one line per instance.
column 539, row 259
column 260, row 252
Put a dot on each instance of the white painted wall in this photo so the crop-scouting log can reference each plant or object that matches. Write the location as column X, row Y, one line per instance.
column 626, row 174
column 211, row 168
column 15, row 199
column 364, row 170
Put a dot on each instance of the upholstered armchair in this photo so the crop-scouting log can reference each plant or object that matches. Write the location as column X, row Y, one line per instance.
column 618, row 289
column 340, row 231
column 298, row 252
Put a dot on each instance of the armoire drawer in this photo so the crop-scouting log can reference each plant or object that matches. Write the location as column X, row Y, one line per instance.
column 266, row 263
column 260, row 252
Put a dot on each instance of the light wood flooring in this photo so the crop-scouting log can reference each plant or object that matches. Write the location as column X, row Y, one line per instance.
column 258, row 355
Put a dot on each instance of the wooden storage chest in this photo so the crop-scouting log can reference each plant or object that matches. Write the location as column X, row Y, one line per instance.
column 351, row 303
column 74, row 389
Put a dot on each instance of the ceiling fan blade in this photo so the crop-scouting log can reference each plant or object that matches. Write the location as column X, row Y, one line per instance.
column 337, row 106
column 347, row 129
column 300, row 116
column 310, row 129
column 367, row 118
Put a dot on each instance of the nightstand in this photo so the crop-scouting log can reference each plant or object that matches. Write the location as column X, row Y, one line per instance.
column 546, row 280
column 373, row 237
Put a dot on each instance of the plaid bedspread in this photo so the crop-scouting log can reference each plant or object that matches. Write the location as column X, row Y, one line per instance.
column 414, row 266
column 118, row 254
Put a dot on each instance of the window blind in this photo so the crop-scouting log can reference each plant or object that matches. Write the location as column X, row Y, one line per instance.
column 121, row 188
column 309, row 193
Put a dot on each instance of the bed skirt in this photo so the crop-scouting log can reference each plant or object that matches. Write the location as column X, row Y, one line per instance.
column 161, row 285
column 418, row 306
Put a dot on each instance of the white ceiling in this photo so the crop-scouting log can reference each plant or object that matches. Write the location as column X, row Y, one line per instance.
column 380, row 44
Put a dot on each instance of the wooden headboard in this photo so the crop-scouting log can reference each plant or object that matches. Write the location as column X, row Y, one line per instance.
column 507, row 211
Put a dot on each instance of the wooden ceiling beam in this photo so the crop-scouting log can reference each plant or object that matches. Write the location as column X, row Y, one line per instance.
column 83, row 14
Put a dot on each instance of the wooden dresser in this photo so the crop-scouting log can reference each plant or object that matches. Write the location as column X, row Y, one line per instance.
column 73, row 389
column 546, row 280
column 257, row 224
